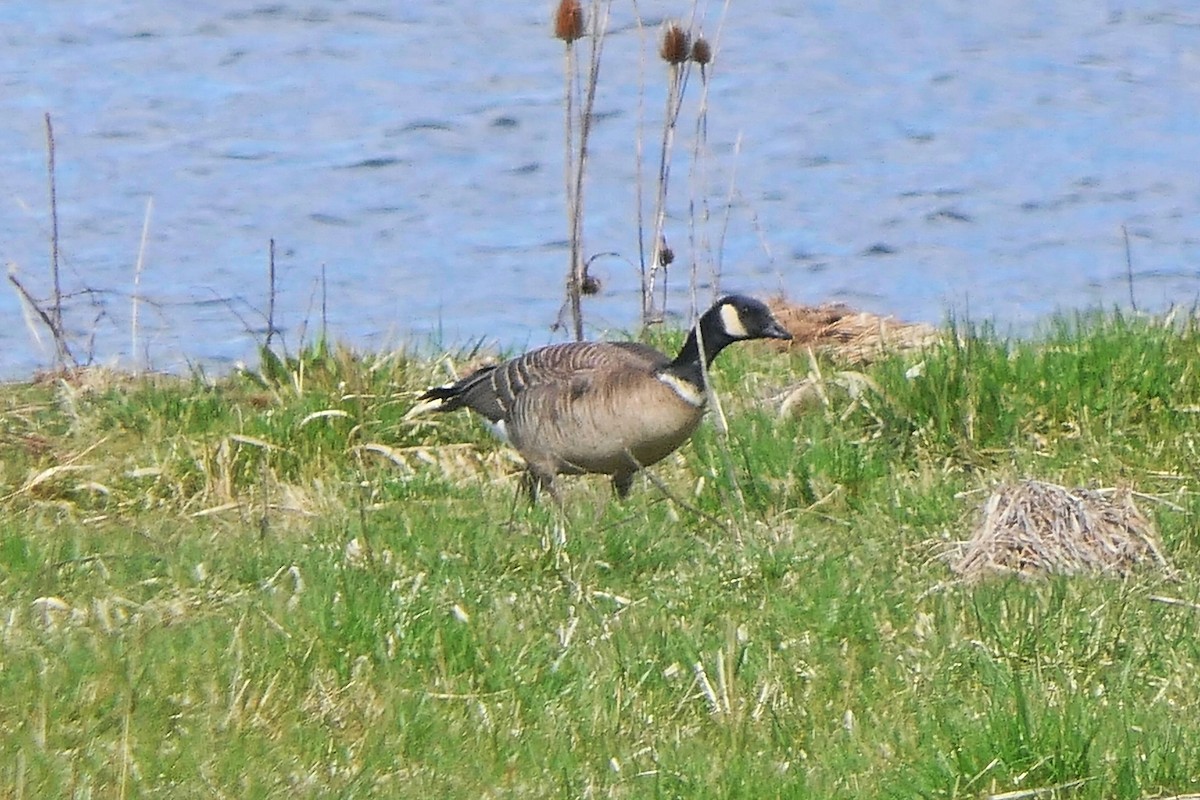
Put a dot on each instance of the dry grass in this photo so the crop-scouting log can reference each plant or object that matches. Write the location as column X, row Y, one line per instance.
column 1032, row 527
column 274, row 584
column 848, row 335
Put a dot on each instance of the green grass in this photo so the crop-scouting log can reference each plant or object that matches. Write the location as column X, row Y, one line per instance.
column 274, row 585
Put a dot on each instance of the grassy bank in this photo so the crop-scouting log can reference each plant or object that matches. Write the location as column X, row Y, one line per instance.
column 272, row 586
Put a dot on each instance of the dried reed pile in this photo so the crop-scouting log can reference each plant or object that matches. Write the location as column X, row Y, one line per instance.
column 851, row 336
column 1032, row 527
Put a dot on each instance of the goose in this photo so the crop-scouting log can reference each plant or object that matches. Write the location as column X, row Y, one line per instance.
column 609, row 408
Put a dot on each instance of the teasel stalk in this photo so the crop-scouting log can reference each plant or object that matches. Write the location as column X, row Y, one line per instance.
column 701, row 56
column 570, row 25
column 675, row 48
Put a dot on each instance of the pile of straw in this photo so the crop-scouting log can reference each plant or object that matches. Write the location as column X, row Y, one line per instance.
column 848, row 335
column 1032, row 527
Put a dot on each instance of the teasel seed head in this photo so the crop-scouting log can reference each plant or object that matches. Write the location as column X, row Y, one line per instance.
column 568, row 21
column 701, row 51
column 676, row 44
column 666, row 256
column 591, row 285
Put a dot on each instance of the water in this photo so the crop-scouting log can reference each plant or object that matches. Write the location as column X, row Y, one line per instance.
column 914, row 159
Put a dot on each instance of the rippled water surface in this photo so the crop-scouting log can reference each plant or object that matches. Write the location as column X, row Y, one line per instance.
column 916, row 159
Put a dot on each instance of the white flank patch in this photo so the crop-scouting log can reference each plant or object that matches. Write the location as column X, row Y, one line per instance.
column 499, row 430
column 733, row 322
column 687, row 391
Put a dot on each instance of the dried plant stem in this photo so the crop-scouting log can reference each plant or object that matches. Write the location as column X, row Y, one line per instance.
column 1129, row 267
column 270, row 294
column 699, row 175
column 577, row 151
column 676, row 84
column 324, row 306
column 264, row 520
column 126, row 751
column 54, row 317
column 47, row 320
column 56, row 305
column 702, row 56
column 718, row 258
column 706, row 688
column 639, row 167
column 574, row 200
column 137, row 281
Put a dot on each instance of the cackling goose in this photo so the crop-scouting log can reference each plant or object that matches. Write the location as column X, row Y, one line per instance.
column 603, row 407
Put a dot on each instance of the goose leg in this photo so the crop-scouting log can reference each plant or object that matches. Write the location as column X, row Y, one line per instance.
column 621, row 483
column 534, row 480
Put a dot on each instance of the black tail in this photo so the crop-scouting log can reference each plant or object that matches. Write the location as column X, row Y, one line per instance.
column 452, row 396
column 446, row 392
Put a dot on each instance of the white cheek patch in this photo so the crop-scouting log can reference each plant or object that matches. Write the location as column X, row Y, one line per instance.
column 732, row 321
column 687, row 391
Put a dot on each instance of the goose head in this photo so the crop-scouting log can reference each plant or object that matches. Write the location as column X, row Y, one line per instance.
column 736, row 317
column 733, row 318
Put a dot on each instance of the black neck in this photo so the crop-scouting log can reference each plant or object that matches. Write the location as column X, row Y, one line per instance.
column 687, row 364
